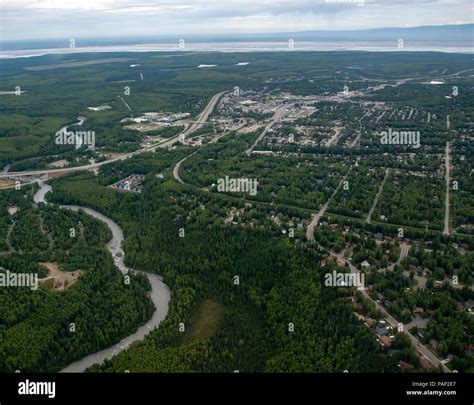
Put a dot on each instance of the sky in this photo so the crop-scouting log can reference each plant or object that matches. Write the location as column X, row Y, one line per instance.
column 41, row 19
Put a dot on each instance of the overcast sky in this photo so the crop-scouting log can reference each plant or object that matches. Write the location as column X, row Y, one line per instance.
column 27, row 19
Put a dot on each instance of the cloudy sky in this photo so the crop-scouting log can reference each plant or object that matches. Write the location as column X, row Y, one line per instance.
column 27, row 19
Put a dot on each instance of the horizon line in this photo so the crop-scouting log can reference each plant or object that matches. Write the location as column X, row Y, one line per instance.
column 220, row 34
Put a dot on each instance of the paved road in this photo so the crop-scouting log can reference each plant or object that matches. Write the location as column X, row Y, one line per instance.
column 203, row 116
column 126, row 104
column 335, row 138
column 177, row 167
column 376, row 200
column 316, row 217
column 356, row 140
column 404, row 249
column 276, row 117
column 201, row 120
column 446, row 230
column 391, row 320
column 14, row 185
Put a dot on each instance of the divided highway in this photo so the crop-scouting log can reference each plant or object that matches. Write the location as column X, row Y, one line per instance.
column 200, row 121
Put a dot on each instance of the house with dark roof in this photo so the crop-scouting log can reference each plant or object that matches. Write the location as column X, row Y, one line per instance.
column 381, row 330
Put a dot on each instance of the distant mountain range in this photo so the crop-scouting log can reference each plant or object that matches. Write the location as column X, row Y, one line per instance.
column 440, row 33
column 463, row 33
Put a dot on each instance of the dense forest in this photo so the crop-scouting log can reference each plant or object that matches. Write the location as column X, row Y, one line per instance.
column 246, row 280
column 45, row 329
column 276, row 318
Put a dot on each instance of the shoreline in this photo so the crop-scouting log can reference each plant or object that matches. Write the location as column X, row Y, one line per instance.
column 246, row 47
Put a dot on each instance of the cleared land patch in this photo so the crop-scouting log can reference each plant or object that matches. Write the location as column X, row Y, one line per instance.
column 58, row 280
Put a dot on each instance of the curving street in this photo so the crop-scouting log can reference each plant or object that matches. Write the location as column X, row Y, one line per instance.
column 201, row 120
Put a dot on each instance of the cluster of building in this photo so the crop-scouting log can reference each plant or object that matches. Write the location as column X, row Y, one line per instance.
column 165, row 117
column 132, row 184
column 155, row 120
column 380, row 328
column 249, row 101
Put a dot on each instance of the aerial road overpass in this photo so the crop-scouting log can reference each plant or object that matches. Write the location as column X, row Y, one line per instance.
column 194, row 126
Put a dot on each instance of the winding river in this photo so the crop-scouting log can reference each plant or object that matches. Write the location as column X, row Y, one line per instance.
column 160, row 293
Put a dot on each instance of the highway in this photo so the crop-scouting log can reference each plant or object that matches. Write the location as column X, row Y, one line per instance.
column 203, row 116
column 201, row 120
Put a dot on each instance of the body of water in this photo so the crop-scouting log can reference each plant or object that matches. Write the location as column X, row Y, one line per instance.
column 255, row 46
column 160, row 293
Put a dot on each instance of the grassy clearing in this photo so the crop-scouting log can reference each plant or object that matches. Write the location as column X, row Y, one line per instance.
column 206, row 321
